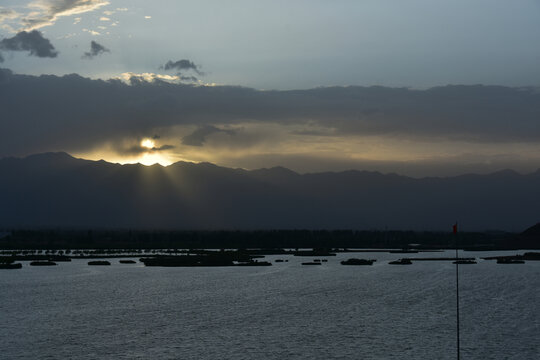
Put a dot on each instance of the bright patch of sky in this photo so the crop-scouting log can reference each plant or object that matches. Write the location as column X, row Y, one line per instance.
column 276, row 44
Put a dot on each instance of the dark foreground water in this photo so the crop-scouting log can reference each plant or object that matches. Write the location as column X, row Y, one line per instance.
column 286, row 311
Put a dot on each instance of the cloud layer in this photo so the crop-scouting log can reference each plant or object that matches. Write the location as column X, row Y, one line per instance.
column 198, row 137
column 353, row 127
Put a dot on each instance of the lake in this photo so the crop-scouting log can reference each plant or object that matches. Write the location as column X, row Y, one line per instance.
column 285, row 311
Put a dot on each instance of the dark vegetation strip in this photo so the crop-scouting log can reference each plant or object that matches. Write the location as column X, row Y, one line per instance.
column 267, row 240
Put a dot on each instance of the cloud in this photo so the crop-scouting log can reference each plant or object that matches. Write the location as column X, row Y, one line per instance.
column 7, row 15
column 132, row 78
column 134, row 148
column 451, row 165
column 46, row 12
column 95, row 50
column 198, row 137
column 8, row 19
column 80, row 115
column 188, row 78
column 103, row 18
column 163, row 147
column 67, row 36
column 32, row 41
column 95, row 33
column 1, row 58
column 181, row 65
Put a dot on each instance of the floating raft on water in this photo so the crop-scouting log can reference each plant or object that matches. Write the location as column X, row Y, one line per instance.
column 254, row 263
column 401, row 262
column 355, row 261
column 42, row 263
column 99, row 262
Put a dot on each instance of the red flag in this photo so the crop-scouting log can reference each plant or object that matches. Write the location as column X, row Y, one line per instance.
column 454, row 228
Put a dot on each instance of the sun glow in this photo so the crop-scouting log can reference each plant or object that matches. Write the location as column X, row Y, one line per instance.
column 151, row 159
column 148, row 143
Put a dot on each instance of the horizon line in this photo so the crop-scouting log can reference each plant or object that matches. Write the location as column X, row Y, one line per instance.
column 505, row 170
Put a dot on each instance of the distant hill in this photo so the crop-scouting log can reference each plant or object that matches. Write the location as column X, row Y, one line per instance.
column 532, row 232
column 57, row 190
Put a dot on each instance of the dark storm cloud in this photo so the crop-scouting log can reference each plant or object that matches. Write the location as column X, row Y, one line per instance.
column 187, row 78
column 1, row 58
column 181, row 65
column 73, row 113
column 198, row 137
column 32, row 41
column 95, row 50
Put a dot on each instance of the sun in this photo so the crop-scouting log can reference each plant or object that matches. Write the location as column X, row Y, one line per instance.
column 148, row 143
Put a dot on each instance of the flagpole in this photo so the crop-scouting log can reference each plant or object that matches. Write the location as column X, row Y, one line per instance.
column 457, row 290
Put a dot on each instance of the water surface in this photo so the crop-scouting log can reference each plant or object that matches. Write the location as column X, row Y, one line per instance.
column 286, row 311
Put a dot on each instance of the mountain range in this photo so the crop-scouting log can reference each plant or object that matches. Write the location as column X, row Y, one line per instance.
column 54, row 190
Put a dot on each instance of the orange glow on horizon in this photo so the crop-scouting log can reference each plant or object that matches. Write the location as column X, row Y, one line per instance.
column 147, row 158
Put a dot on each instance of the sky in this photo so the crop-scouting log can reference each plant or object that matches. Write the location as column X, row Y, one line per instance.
column 252, row 84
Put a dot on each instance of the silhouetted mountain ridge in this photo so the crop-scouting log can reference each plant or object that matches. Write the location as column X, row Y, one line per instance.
column 55, row 189
column 533, row 231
